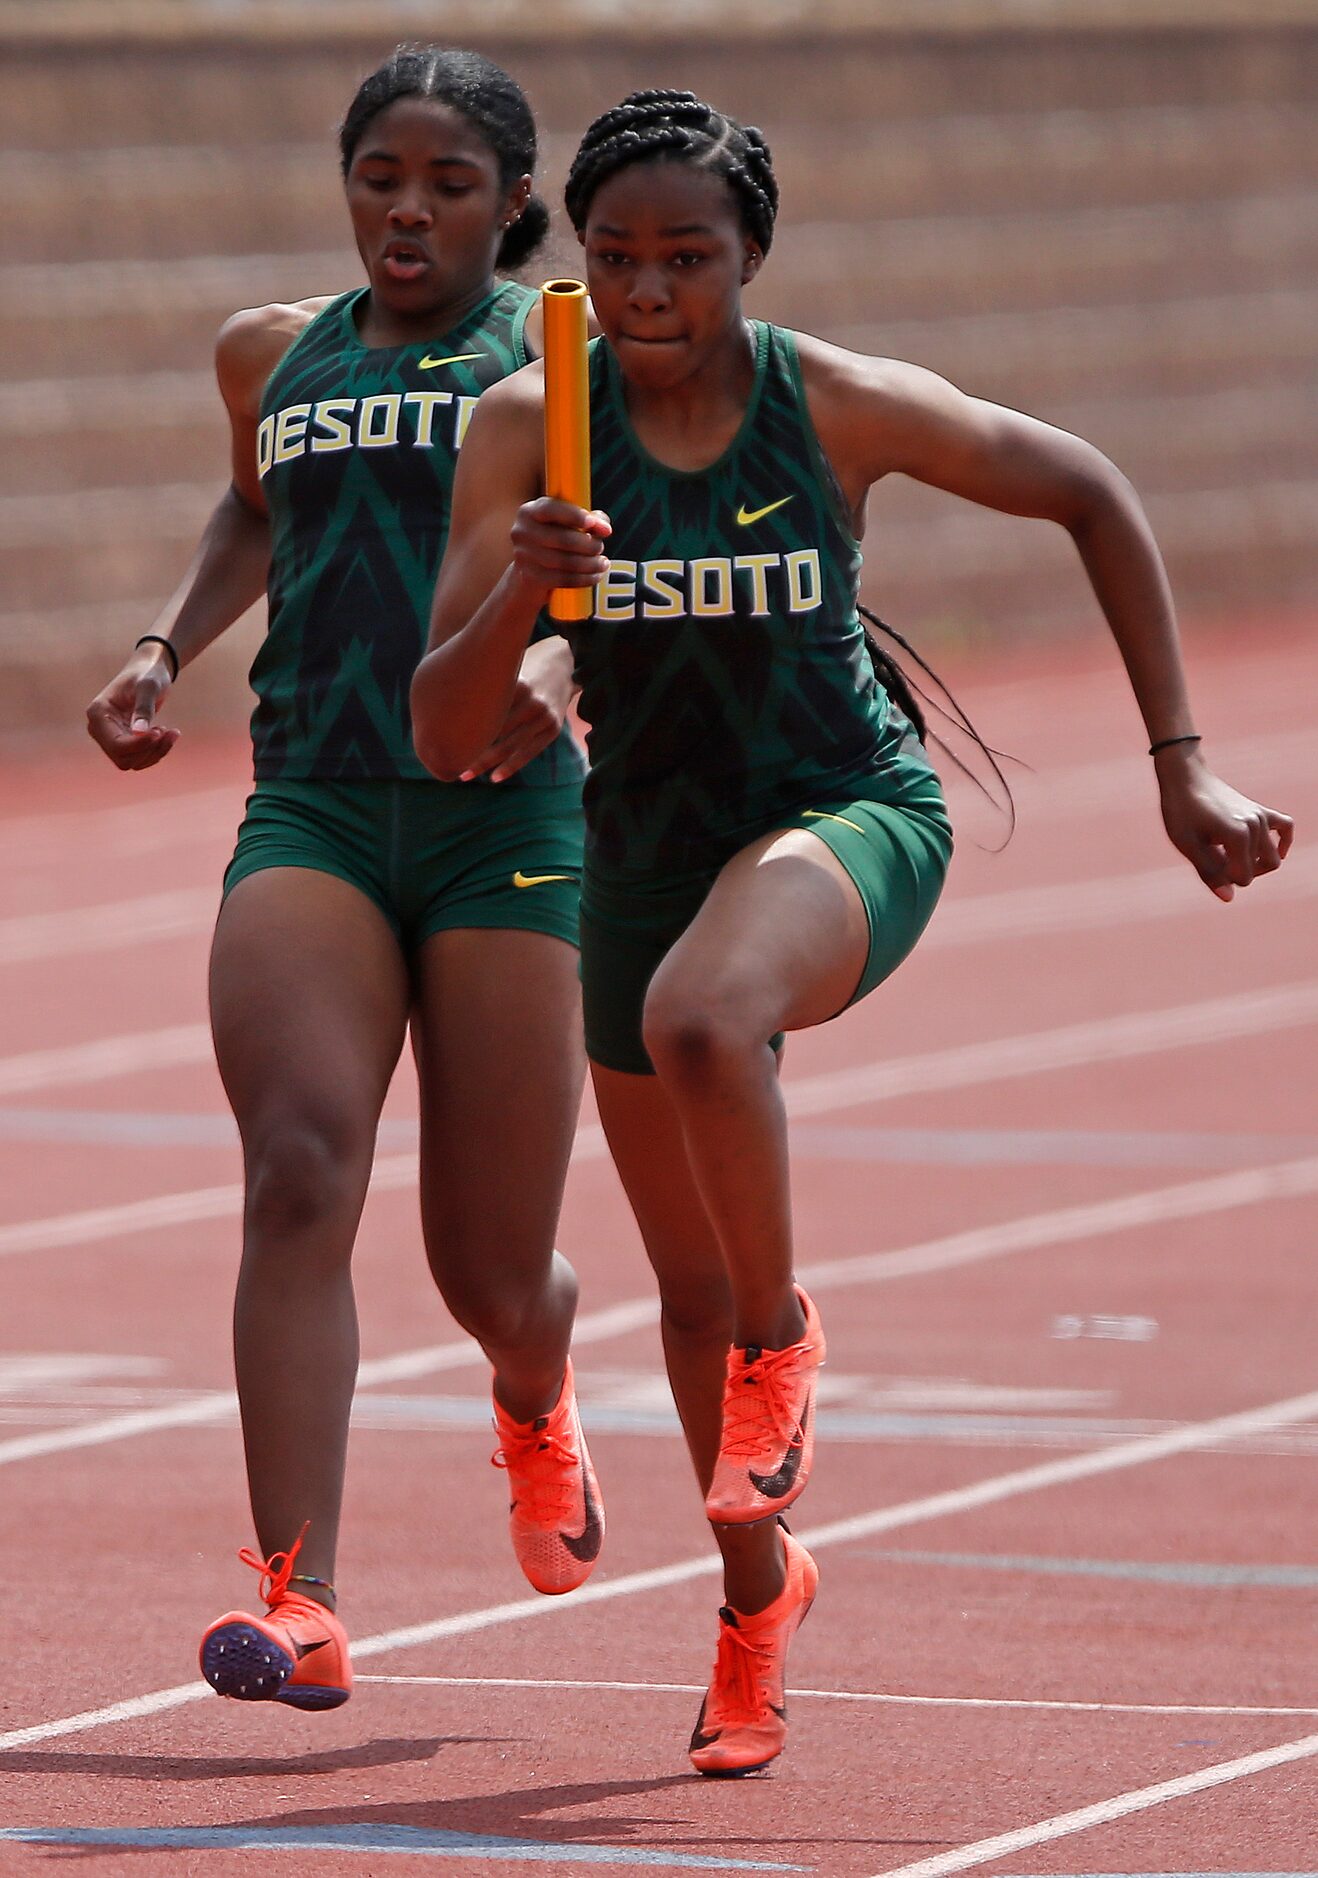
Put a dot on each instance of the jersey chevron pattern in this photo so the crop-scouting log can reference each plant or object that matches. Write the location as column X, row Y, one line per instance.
column 356, row 449
column 724, row 671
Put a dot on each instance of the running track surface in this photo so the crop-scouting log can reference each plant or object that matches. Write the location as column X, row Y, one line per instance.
column 1056, row 1187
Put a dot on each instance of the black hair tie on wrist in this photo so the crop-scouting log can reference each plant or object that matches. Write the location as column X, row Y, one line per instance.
column 155, row 639
column 1167, row 742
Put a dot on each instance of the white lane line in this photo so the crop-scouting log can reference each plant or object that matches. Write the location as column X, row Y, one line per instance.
column 1092, row 905
column 1135, row 1453
column 164, row 818
column 110, row 926
column 1067, row 1224
column 612, row 1320
column 131, row 1710
column 136, row 1216
column 979, row 916
column 1089, row 788
column 1063, row 1226
column 159, row 821
column 1018, row 912
column 1062, row 1825
column 839, row 1695
column 106, row 1058
column 1104, row 1040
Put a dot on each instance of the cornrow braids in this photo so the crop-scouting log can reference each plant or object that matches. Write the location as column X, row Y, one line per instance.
column 492, row 102
column 680, row 127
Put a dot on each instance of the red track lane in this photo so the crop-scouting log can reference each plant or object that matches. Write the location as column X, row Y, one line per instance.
column 1156, row 1584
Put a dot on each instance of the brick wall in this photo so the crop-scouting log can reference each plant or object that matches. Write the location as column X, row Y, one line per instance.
column 1113, row 226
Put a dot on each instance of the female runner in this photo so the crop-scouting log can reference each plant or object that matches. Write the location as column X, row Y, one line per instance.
column 766, row 840
column 363, row 894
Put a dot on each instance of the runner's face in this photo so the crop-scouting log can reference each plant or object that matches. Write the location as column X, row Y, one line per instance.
column 666, row 259
column 427, row 207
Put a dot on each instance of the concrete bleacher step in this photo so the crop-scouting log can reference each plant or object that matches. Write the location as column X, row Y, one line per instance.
column 1044, row 160
column 1060, row 352
column 934, row 567
column 106, row 544
column 175, row 200
column 129, row 540
column 941, row 568
column 1118, row 231
column 123, row 314
column 61, row 435
column 964, row 263
column 125, row 92
column 68, row 433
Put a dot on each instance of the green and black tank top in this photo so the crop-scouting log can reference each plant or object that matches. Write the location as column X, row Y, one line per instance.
column 357, row 447
column 724, row 673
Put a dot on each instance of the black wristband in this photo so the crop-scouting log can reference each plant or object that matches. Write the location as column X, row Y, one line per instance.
column 1167, row 742
column 155, row 639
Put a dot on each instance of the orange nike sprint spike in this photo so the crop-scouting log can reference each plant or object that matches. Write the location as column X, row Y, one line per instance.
column 297, row 1653
column 742, row 1724
column 555, row 1514
column 768, row 1439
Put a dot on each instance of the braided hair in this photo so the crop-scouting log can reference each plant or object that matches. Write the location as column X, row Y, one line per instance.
column 493, row 103
column 677, row 126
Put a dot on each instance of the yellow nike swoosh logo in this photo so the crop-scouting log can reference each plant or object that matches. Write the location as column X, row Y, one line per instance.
column 745, row 517
column 822, row 815
column 537, row 880
column 454, row 358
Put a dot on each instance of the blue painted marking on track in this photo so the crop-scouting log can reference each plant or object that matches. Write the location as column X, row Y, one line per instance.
column 407, row 1841
column 1224, row 1577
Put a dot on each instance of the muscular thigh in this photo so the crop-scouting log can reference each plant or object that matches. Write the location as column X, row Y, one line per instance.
column 782, row 938
column 497, row 1033
column 309, row 997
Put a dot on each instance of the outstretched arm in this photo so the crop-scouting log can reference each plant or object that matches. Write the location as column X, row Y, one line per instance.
column 508, row 548
column 916, row 423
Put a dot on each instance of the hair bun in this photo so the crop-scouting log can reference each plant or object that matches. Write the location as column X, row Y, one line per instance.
column 524, row 236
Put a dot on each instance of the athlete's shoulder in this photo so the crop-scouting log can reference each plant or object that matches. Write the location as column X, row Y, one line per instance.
column 515, row 398
column 859, row 403
column 839, row 370
column 252, row 342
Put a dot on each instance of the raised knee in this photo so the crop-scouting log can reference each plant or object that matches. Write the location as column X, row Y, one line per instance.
column 692, row 1036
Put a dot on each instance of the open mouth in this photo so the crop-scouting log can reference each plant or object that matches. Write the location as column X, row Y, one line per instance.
column 404, row 260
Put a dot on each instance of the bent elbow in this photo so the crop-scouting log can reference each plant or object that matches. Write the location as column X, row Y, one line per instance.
column 435, row 749
column 1101, row 493
column 432, row 746
column 433, row 757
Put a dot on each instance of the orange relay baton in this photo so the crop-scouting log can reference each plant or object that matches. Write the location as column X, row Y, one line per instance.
column 567, row 419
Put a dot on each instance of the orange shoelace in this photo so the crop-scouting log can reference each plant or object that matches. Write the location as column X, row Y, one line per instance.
column 759, row 1403
column 277, row 1569
column 743, row 1683
column 543, row 1467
